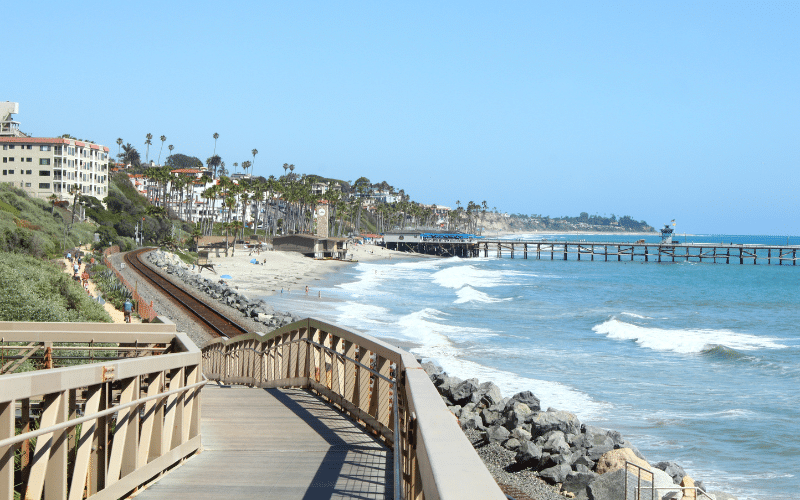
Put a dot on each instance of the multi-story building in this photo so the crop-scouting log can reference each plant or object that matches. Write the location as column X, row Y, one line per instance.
column 45, row 166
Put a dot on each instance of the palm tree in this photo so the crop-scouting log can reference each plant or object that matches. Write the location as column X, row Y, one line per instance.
column 216, row 136
column 235, row 165
column 130, row 155
column 148, row 141
column 170, row 147
column 163, row 139
column 213, row 163
column 119, row 145
column 285, row 166
column 255, row 152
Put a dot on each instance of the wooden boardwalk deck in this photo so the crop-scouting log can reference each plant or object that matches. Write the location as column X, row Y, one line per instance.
column 277, row 444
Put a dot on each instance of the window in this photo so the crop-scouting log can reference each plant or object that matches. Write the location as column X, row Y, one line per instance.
column 10, row 146
column 29, row 160
column 5, row 172
column 5, row 159
column 28, row 172
column 10, row 158
column 44, row 173
column 27, row 184
column 10, row 172
column 44, row 161
column 44, row 185
column 44, row 148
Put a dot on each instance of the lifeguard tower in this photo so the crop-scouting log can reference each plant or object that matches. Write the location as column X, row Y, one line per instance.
column 666, row 233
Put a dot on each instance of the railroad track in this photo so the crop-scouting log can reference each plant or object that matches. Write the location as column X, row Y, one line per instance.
column 219, row 324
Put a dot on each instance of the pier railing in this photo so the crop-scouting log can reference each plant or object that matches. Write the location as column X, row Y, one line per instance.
column 102, row 410
column 380, row 386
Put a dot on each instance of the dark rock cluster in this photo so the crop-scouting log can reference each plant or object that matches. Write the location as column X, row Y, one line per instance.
column 586, row 462
column 257, row 310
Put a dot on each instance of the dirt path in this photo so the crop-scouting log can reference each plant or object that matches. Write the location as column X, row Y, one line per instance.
column 116, row 315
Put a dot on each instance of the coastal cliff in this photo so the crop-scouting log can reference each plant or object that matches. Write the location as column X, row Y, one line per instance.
column 493, row 222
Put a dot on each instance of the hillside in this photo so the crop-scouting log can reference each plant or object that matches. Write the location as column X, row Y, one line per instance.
column 518, row 223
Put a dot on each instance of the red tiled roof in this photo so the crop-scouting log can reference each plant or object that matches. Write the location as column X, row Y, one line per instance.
column 105, row 148
column 37, row 140
column 81, row 144
column 94, row 146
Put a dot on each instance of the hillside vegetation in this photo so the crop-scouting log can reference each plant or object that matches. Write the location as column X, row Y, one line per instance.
column 32, row 287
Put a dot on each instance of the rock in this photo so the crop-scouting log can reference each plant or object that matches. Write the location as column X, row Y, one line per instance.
column 488, row 394
column 528, row 454
column 512, row 444
column 462, row 393
column 615, row 459
column 489, row 417
column 576, row 482
column 528, row 398
column 583, row 462
column 517, row 414
column 497, row 433
column 611, row 486
column 521, row 434
column 455, row 410
column 544, row 422
column 673, row 469
column 431, row 369
column 666, row 487
column 687, row 482
column 555, row 474
column 553, row 442
column 470, row 420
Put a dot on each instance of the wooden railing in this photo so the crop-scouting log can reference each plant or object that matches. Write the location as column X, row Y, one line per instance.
column 380, row 386
column 125, row 408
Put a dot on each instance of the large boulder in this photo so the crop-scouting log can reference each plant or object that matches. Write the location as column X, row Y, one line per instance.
column 462, row 393
column 517, row 414
column 470, row 420
column 553, row 442
column 555, row 474
column 611, row 486
column 487, row 395
column 673, row 469
column 528, row 398
column 431, row 369
column 528, row 454
column 615, row 460
column 576, row 482
column 497, row 433
column 557, row 420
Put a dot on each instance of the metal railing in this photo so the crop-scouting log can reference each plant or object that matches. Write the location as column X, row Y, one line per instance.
column 688, row 492
column 124, row 409
column 380, row 386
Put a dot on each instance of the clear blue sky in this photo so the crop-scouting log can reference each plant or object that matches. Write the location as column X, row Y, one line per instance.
column 658, row 110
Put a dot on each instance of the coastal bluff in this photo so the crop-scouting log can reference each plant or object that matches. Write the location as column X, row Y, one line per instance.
column 519, row 442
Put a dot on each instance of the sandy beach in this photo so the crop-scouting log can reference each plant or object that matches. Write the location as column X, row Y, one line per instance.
column 289, row 271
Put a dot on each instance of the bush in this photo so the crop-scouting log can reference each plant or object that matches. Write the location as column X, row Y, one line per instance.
column 35, row 290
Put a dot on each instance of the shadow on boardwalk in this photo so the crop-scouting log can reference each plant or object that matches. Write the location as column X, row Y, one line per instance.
column 278, row 443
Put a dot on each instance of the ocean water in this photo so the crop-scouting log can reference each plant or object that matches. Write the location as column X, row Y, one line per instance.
column 693, row 362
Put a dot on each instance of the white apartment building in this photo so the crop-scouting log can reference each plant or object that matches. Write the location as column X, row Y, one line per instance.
column 44, row 166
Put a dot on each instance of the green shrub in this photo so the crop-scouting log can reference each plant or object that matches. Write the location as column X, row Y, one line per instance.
column 34, row 290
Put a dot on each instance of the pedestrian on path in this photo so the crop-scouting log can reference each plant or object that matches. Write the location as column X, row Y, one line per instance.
column 128, row 307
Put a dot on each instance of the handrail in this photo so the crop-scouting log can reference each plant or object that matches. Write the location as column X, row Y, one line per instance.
column 357, row 372
column 653, row 488
column 151, row 401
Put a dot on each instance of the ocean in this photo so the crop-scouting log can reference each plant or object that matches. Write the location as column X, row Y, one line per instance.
column 697, row 363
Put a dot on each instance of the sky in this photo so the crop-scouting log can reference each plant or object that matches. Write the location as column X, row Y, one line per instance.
column 657, row 110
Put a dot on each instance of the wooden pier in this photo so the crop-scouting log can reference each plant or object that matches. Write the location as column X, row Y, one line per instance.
column 608, row 251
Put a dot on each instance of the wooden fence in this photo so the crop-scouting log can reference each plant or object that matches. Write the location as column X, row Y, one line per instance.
column 114, row 419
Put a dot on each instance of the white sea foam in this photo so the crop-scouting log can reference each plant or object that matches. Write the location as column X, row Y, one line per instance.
column 634, row 315
column 438, row 342
column 469, row 294
column 683, row 341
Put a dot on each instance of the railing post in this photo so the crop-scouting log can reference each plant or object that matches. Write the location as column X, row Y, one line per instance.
column 7, row 454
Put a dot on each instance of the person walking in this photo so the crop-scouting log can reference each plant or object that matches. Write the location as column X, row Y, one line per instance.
column 128, row 307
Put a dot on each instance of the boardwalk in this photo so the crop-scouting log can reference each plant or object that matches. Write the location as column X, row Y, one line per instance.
column 277, row 444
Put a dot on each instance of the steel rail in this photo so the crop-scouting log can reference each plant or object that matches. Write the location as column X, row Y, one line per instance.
column 207, row 315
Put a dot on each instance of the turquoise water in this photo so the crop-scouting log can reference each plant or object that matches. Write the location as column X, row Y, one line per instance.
column 696, row 363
